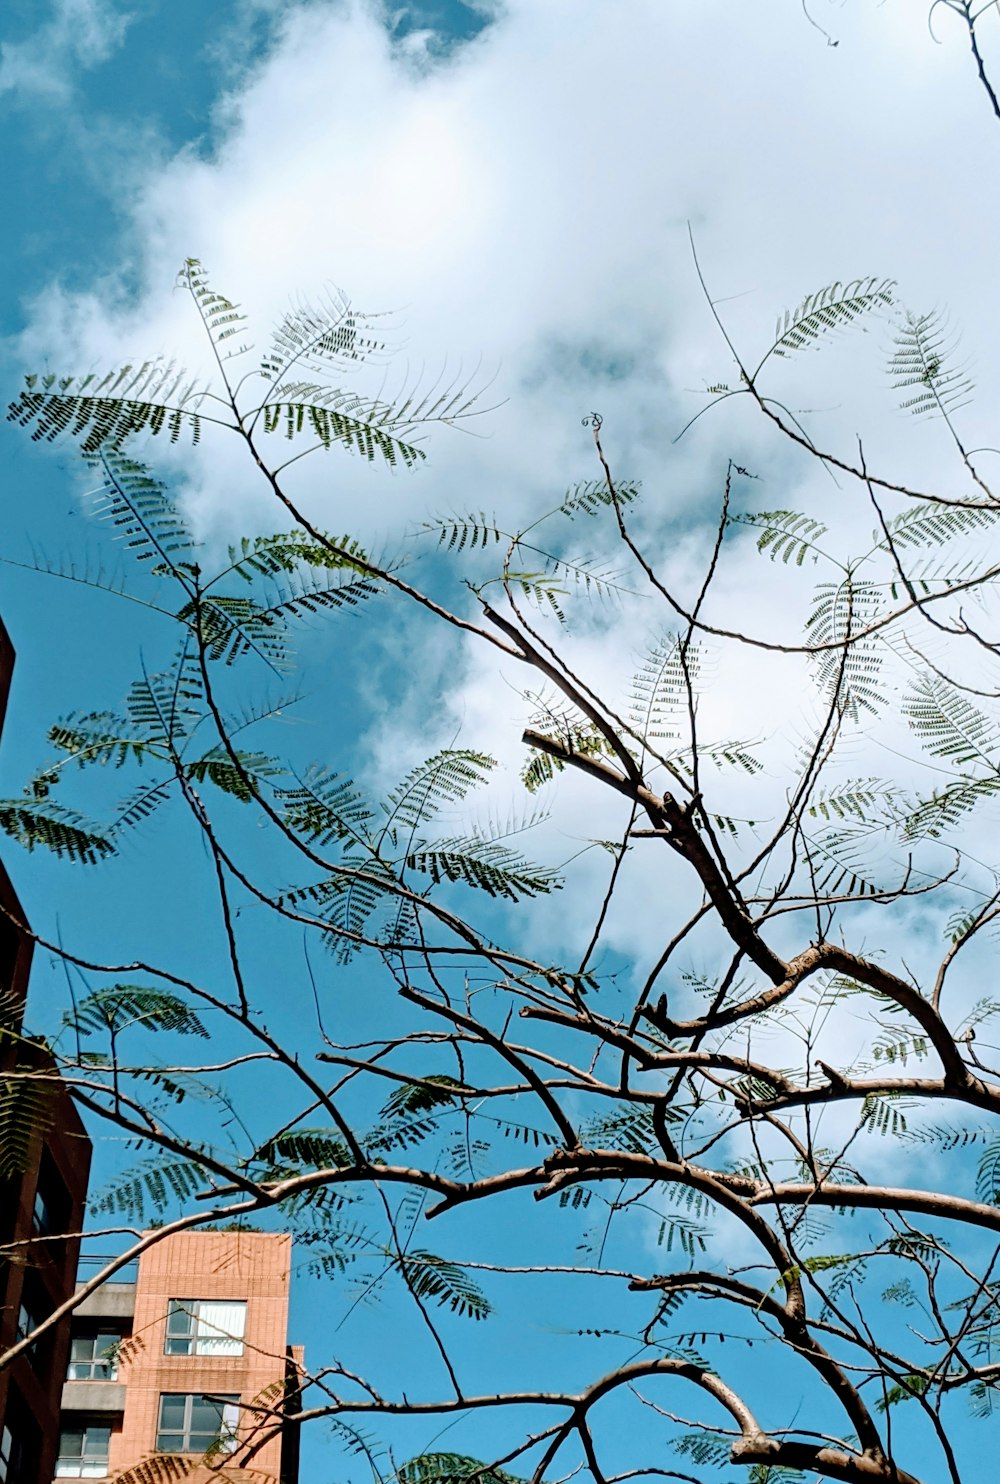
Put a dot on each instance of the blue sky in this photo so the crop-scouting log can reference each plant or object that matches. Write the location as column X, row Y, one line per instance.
column 513, row 184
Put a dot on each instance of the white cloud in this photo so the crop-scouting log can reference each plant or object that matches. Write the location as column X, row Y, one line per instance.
column 525, row 199
column 79, row 34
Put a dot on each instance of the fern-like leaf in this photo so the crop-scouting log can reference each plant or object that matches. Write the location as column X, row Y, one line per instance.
column 444, row 778
column 231, row 776
column 919, row 366
column 786, row 535
column 152, row 398
column 452, row 1468
column 26, row 1112
column 153, row 1185
column 431, row 1277
column 988, row 1175
column 318, row 336
column 325, row 807
column 484, row 864
column 125, row 1005
column 835, row 307
column 372, row 429
column 63, row 831
column 592, row 496
column 410, row 1098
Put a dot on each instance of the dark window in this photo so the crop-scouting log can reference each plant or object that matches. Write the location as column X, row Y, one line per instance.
column 94, row 1357
column 205, row 1327
column 192, row 1424
column 26, row 1322
column 8, row 1456
column 43, row 1215
column 83, row 1453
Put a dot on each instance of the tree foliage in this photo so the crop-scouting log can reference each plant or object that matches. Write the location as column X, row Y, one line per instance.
column 704, row 1119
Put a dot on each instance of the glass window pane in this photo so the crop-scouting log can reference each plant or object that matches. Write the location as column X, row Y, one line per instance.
column 220, row 1328
column 71, row 1443
column 205, row 1415
column 172, row 1413
column 180, row 1317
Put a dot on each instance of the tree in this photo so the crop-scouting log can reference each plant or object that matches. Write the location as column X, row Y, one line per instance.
column 718, row 1108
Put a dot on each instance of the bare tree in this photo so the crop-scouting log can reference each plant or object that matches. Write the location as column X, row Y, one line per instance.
column 708, row 1119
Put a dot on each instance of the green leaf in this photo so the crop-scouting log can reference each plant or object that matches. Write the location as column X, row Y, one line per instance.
column 27, row 1108
column 445, row 778
column 122, row 1006
column 231, row 776
column 418, row 1097
column 153, row 1185
column 449, row 1285
column 919, row 366
column 485, row 865
column 62, row 831
column 835, row 307
column 152, row 398
column 452, row 1468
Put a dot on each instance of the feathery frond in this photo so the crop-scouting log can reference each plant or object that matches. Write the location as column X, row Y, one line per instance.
column 326, row 806
column 919, row 365
column 936, row 524
column 362, row 425
column 428, row 1276
column 591, row 496
column 318, row 336
column 484, row 864
column 139, row 507
column 26, row 1112
column 153, row 1185
column 836, row 307
column 152, row 398
column 63, row 831
column 122, row 1006
column 452, row 1468
column 220, row 316
column 850, row 672
column 444, row 778
column 786, row 535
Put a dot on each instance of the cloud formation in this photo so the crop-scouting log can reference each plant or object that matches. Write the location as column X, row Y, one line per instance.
column 79, row 34
column 525, row 198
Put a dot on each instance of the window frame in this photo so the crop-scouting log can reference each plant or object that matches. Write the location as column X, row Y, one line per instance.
column 94, row 1363
column 90, row 1463
column 227, row 1435
column 194, row 1342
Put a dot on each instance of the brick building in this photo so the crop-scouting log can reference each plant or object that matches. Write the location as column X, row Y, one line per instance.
column 43, row 1184
column 192, row 1358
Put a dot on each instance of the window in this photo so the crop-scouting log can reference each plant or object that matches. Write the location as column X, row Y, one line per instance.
column 83, row 1453
column 43, row 1216
column 191, row 1424
column 94, row 1357
column 6, row 1456
column 204, row 1327
column 26, row 1322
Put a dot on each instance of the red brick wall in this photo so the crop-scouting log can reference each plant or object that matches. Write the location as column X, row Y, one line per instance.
column 254, row 1266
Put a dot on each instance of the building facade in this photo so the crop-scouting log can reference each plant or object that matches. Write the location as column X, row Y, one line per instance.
column 44, row 1165
column 187, row 1372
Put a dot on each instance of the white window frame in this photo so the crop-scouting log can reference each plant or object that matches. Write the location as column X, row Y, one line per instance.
column 99, row 1360
column 89, row 1463
column 216, row 1328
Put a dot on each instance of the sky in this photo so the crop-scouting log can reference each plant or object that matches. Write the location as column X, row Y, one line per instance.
column 526, row 191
